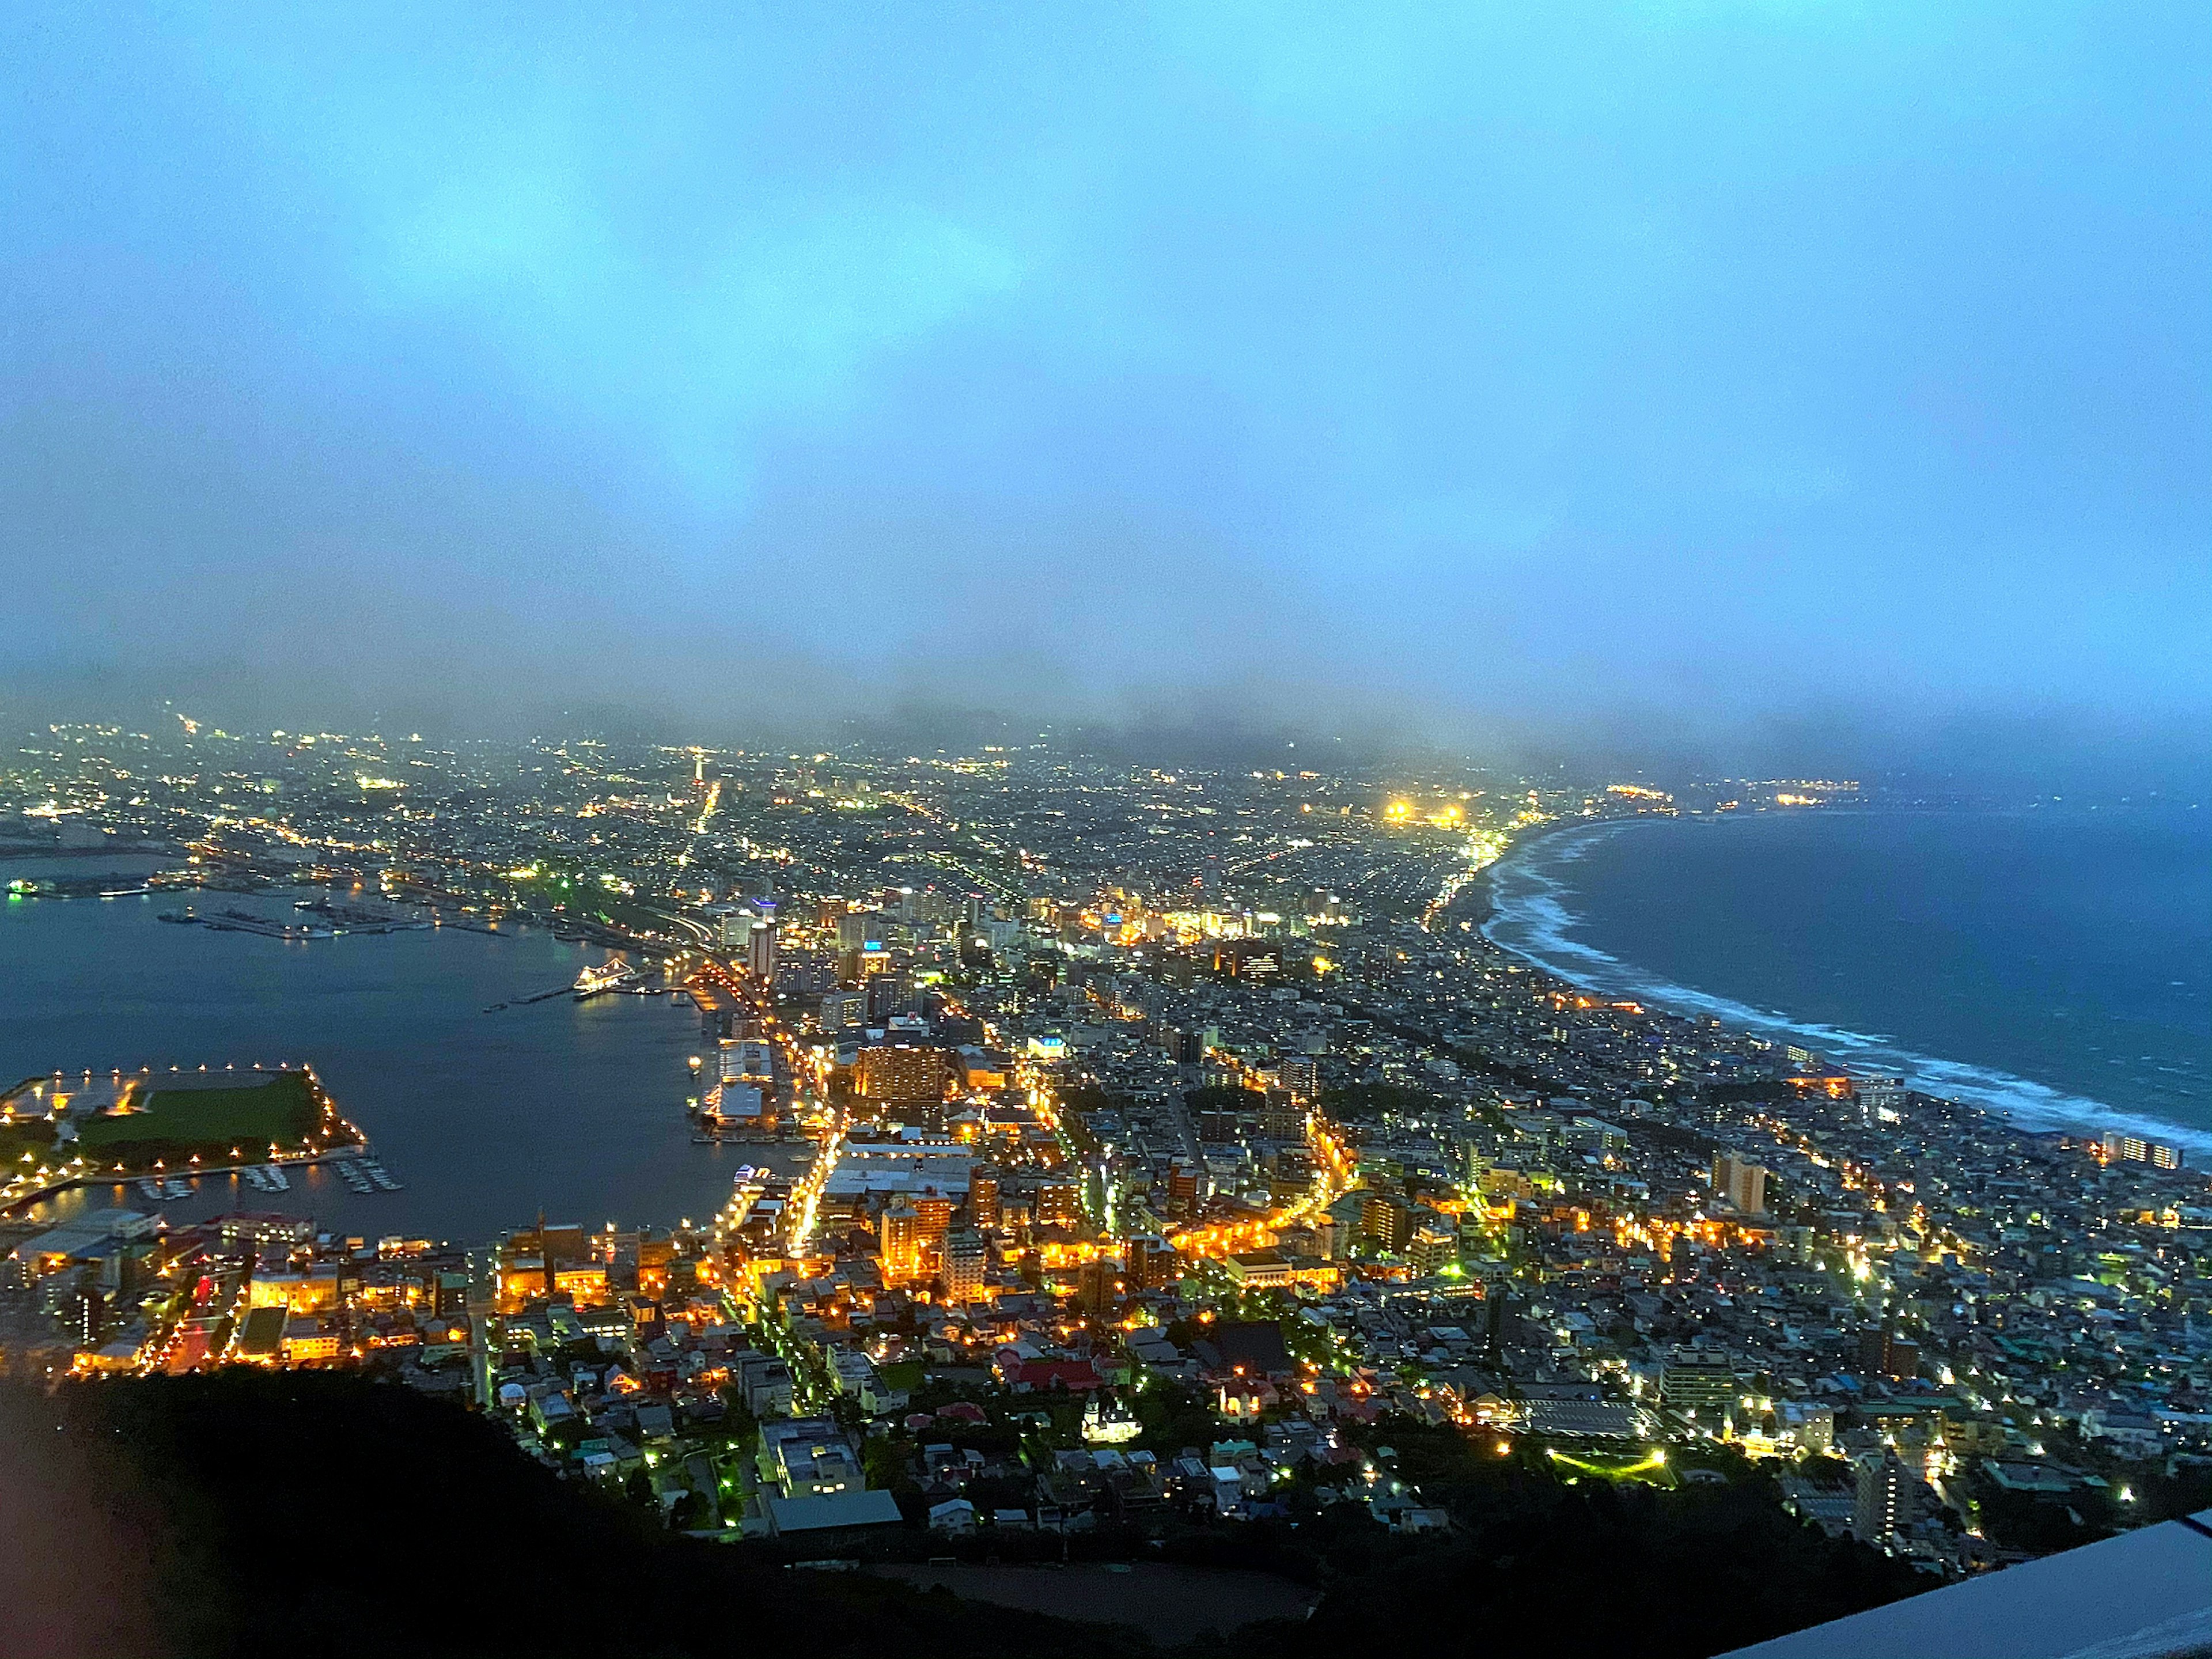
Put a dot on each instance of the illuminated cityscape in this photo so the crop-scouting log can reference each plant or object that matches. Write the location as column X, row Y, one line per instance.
column 1180, row 831
column 1126, row 1151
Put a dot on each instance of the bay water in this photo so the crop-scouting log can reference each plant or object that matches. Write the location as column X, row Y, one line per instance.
column 2052, row 963
column 577, row 1108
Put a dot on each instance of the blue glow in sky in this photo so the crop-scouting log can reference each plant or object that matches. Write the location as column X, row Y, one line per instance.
column 1679, row 368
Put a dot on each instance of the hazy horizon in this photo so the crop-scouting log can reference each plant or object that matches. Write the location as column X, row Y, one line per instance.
column 1726, row 386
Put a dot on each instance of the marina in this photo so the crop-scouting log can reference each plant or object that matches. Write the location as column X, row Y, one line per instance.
column 580, row 1108
column 326, row 920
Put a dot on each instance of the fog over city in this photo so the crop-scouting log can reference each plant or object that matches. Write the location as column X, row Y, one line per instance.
column 1764, row 385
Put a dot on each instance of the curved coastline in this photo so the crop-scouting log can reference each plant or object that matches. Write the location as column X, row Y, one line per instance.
column 1528, row 917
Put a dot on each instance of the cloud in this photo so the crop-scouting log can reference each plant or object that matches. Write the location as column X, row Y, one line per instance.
column 1711, row 373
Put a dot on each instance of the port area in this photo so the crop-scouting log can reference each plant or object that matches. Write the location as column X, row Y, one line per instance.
column 311, row 918
column 69, row 1130
column 616, row 974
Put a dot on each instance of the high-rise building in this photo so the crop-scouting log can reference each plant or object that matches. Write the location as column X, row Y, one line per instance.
column 1433, row 1250
column 87, row 1313
column 760, row 952
column 894, row 1075
column 1881, row 1098
column 1300, row 1076
column 1885, row 1353
column 1097, row 1288
column 1740, row 1183
column 2120, row 1147
column 889, row 993
column 899, row 1240
column 1283, row 1116
column 1700, row 1384
column 983, row 1196
column 1329, row 1237
column 1886, row 1499
column 967, row 1257
column 1151, row 1263
column 1059, row 1203
column 1387, row 1221
column 1473, row 1162
column 934, row 1215
column 1184, row 1190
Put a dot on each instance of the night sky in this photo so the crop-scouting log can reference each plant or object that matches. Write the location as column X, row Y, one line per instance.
column 1745, row 374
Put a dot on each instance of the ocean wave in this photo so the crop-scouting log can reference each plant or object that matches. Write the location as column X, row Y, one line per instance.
column 1530, row 917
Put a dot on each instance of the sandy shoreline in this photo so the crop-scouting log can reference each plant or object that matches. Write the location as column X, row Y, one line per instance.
column 2021, row 1102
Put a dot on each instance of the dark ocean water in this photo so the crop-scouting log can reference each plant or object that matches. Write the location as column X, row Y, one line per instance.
column 578, row 1107
column 2053, row 963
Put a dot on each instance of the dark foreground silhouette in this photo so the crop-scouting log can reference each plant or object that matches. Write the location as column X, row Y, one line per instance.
column 251, row 1513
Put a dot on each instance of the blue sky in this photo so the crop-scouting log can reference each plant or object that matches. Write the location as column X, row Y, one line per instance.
column 1683, row 369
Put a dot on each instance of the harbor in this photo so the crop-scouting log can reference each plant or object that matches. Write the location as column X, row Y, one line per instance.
column 578, row 1108
column 324, row 919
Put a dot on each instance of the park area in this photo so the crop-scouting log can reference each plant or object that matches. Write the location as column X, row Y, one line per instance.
column 175, row 1119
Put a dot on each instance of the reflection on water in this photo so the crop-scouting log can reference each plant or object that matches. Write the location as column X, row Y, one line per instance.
column 486, row 1117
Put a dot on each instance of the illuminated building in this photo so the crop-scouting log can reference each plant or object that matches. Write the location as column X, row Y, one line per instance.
column 746, row 1062
column 1387, row 1221
column 1184, row 1190
column 1808, row 1427
column 1151, row 1263
column 760, row 952
column 2120, row 1147
column 901, row 1237
column 1258, row 1270
column 1699, row 1385
column 983, row 1196
column 308, row 1339
column 1248, row 959
column 585, row 1284
column 932, row 1215
column 1882, row 1098
column 1884, row 1503
column 1431, row 1250
column 891, row 1076
column 87, row 1313
column 967, row 1258
column 1740, row 1183
column 809, row 1457
column 1059, row 1204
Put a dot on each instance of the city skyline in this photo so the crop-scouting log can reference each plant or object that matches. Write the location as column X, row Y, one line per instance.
column 919, row 832
column 1021, row 1154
